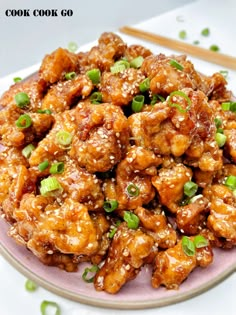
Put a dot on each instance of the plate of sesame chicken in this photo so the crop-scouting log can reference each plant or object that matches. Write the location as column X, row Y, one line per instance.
column 118, row 176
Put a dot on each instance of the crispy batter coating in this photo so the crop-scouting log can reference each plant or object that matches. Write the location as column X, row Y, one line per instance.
column 169, row 183
column 126, row 254
column 173, row 266
column 222, row 218
column 136, row 168
column 101, row 138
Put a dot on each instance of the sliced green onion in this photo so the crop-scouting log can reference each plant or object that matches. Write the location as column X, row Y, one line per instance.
column 214, row 48
column 49, row 305
column 220, row 130
column 225, row 106
column 157, row 97
column 220, row 139
column 70, row 75
column 136, row 62
column 72, row 47
column 190, row 188
column 145, row 85
column 26, row 152
column 188, row 246
column 178, row 106
column 200, row 241
column 112, row 232
column 96, row 98
column 131, row 219
column 233, row 106
column 133, row 190
column 24, row 121
column 218, row 122
column 119, row 66
column 64, row 137
column 231, row 182
column 17, row 79
column 42, row 166
column 22, row 99
column 225, row 73
column 93, row 269
column 110, row 205
column 176, row 65
column 137, row 103
column 44, row 111
column 49, row 185
column 94, row 75
column 196, row 42
column 205, row 32
column 57, row 168
column 183, row 34
column 30, row 285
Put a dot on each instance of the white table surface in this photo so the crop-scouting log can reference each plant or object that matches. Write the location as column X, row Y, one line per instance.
column 19, row 49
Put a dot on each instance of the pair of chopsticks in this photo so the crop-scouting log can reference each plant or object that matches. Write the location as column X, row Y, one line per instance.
column 201, row 53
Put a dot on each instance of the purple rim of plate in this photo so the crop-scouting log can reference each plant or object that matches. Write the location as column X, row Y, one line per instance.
column 136, row 294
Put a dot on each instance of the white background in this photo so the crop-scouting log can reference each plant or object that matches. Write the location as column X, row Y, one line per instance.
column 24, row 41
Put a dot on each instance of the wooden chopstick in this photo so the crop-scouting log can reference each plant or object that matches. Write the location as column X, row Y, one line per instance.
column 196, row 51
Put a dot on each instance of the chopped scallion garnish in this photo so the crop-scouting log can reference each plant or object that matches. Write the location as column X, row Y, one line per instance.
column 196, row 42
column 230, row 182
column 72, row 47
column 93, row 269
column 120, row 66
column 190, row 188
column 220, row 138
column 136, row 62
column 24, row 121
column 205, row 32
column 137, row 103
column 42, row 166
column 49, row 305
column 225, row 106
column 200, row 241
column 94, row 75
column 144, row 85
column 17, row 79
column 57, row 168
column 176, row 65
column 178, row 106
column 26, row 152
column 214, row 48
column 131, row 219
column 157, row 97
column 133, row 190
column 64, row 138
column 183, row 34
column 44, row 111
column 49, row 185
column 70, row 75
column 30, row 285
column 22, row 99
column 96, row 98
column 218, row 122
column 188, row 246
column 225, row 73
column 110, row 205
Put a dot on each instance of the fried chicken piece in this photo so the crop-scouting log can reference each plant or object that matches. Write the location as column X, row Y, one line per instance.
column 134, row 51
column 110, row 48
column 33, row 87
column 55, row 65
column 169, row 183
column 222, row 218
column 165, row 78
column 63, row 95
column 173, row 266
column 81, row 186
column 120, row 88
column 101, row 138
column 126, row 255
column 156, row 225
column 49, row 148
column 230, row 144
column 191, row 218
column 216, row 86
column 136, row 168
